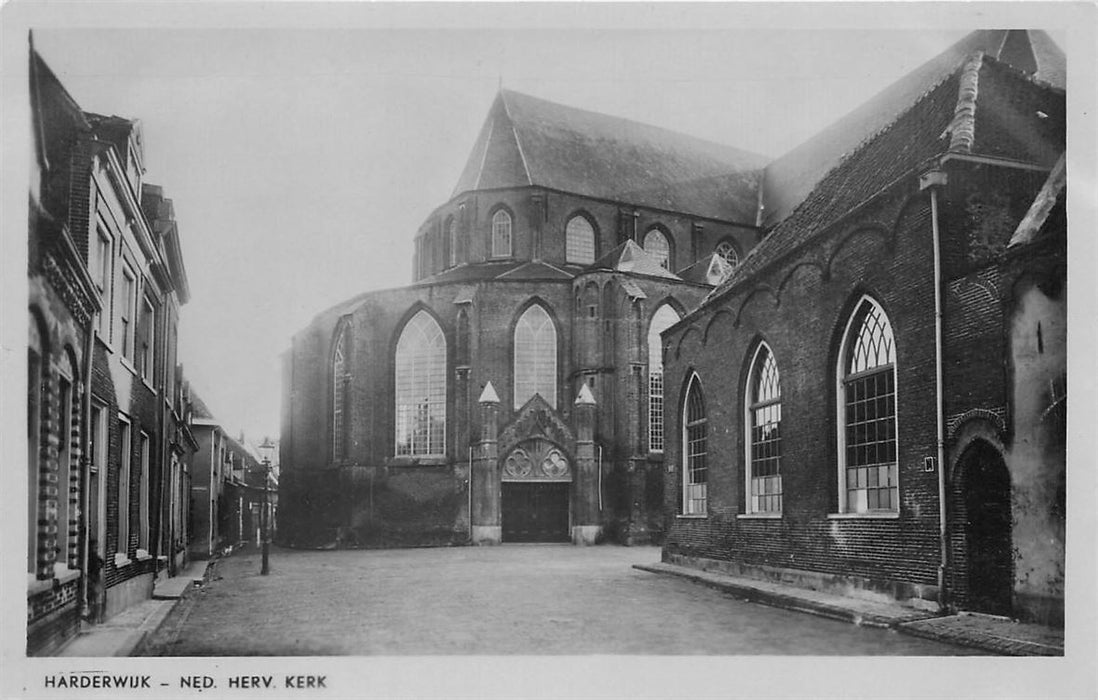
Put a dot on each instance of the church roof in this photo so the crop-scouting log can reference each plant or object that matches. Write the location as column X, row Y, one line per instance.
column 983, row 107
column 530, row 141
column 711, row 269
column 790, row 178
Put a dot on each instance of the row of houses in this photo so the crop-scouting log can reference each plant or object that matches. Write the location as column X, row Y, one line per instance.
column 119, row 465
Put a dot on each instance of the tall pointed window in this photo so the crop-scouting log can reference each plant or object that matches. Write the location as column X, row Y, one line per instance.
column 868, row 479
column 764, row 451
column 67, row 438
column 341, row 397
column 501, row 234
column 452, row 237
column 535, row 357
column 695, row 473
column 664, row 318
column 655, row 242
column 421, row 388
column 579, row 241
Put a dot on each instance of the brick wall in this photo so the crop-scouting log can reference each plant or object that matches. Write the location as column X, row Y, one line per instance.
column 800, row 308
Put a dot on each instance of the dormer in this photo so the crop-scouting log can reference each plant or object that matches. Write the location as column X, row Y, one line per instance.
column 135, row 157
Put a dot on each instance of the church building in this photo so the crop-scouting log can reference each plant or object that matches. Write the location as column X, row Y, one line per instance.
column 843, row 368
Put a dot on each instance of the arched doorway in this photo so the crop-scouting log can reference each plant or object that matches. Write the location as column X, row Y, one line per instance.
column 535, row 493
column 987, row 529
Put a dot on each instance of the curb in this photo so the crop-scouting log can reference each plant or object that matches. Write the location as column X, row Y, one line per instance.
column 782, row 600
column 995, row 645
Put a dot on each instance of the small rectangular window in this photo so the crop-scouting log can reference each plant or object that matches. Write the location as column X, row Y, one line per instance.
column 146, row 348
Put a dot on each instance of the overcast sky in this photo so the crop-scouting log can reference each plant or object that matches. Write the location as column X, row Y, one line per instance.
column 301, row 162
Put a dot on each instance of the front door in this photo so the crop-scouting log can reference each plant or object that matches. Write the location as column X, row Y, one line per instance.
column 535, row 511
column 988, row 530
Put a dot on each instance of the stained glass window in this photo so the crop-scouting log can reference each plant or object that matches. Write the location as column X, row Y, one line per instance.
column 501, row 234
column 579, row 241
column 869, row 472
column 656, row 244
column 535, row 357
column 695, row 450
column 764, row 416
column 663, row 319
column 421, row 388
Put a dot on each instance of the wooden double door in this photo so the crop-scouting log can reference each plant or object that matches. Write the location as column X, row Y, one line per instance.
column 535, row 511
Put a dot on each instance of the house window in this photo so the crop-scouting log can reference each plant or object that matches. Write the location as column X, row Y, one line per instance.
column 452, row 236
column 97, row 470
column 341, row 395
column 421, row 388
column 764, row 417
column 664, row 318
column 728, row 253
column 655, row 242
column 535, row 357
column 694, row 450
column 66, row 424
column 100, row 268
column 579, row 241
column 126, row 446
column 868, row 478
column 143, row 495
column 34, row 441
column 129, row 301
column 145, row 348
column 501, row 234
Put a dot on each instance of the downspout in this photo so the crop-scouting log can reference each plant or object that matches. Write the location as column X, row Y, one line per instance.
column 469, row 494
column 599, row 448
column 85, row 468
column 933, row 180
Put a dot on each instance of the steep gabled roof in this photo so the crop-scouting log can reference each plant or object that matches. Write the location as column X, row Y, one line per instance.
column 790, row 178
column 530, row 141
column 983, row 107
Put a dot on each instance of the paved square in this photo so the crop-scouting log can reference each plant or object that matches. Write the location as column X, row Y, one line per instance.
column 513, row 599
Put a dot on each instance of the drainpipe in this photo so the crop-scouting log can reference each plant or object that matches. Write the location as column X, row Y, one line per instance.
column 599, row 448
column 933, row 180
column 85, row 470
column 469, row 489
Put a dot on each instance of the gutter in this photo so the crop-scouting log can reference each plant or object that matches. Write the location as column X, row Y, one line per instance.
column 932, row 180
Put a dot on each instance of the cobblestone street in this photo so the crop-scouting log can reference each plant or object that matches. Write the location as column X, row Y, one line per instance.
column 514, row 599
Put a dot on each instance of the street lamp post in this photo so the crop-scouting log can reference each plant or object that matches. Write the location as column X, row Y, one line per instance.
column 265, row 451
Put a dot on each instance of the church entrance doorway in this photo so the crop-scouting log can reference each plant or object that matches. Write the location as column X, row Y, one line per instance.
column 987, row 528
column 535, row 511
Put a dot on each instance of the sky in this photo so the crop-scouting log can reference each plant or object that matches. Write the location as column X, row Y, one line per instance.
column 302, row 161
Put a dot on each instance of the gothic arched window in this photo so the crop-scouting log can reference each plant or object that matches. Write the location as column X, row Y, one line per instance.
column 655, row 242
column 501, row 234
column 664, row 318
column 764, row 448
column 727, row 251
column 452, row 241
column 535, row 356
column 868, row 479
column 421, row 387
column 579, row 241
column 341, row 397
column 695, row 473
